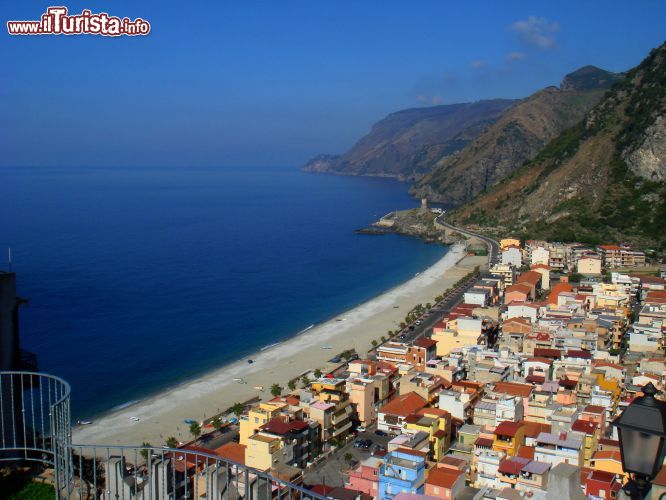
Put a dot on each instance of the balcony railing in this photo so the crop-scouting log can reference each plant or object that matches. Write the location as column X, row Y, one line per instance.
column 36, row 426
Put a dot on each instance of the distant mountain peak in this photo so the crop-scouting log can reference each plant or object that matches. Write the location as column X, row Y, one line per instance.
column 589, row 78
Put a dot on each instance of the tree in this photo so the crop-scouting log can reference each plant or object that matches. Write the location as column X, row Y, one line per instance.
column 428, row 305
column 276, row 390
column 195, row 430
column 348, row 457
column 237, row 409
column 292, row 384
column 217, row 423
column 317, row 373
column 374, row 343
column 346, row 354
column 144, row 453
column 172, row 442
column 383, row 338
column 305, row 381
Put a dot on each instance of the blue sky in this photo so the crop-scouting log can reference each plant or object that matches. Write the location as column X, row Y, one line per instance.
column 273, row 83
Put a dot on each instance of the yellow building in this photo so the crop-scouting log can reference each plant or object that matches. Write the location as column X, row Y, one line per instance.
column 437, row 424
column 258, row 416
column 449, row 339
column 265, row 451
column 589, row 265
column 591, row 440
column 333, row 409
column 508, row 242
column 609, row 461
column 508, row 437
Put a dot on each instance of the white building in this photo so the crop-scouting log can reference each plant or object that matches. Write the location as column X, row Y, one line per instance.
column 458, row 404
column 512, row 255
column 540, row 255
column 565, row 447
column 477, row 296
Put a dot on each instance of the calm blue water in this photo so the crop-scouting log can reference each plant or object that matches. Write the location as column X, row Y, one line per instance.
column 144, row 277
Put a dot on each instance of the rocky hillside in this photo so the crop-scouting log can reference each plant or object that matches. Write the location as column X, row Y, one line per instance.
column 603, row 179
column 521, row 132
column 407, row 143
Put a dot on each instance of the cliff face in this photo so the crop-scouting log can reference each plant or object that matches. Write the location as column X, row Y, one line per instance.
column 602, row 179
column 515, row 138
column 407, row 143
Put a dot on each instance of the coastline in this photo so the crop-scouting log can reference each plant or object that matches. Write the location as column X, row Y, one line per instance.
column 162, row 415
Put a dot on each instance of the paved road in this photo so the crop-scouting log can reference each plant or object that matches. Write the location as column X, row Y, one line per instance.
column 493, row 245
column 438, row 312
column 456, row 297
column 331, row 471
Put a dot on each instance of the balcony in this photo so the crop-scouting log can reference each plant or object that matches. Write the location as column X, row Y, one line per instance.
column 36, row 426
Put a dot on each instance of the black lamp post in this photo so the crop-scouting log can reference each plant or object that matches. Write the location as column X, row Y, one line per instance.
column 642, row 428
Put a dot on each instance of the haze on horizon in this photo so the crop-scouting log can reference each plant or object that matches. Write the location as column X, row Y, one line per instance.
column 274, row 83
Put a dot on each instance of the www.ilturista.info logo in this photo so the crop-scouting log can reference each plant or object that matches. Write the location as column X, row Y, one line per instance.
column 56, row 21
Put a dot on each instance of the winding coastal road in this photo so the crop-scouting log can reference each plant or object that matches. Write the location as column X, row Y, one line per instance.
column 443, row 308
column 493, row 246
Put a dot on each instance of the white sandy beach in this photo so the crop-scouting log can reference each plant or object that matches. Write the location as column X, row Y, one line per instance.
column 162, row 415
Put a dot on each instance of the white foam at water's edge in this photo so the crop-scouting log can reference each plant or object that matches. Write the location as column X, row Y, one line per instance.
column 125, row 405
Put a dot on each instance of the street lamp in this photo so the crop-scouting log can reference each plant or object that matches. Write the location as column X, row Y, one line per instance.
column 642, row 428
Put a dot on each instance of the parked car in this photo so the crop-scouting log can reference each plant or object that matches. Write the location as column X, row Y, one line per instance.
column 378, row 449
column 366, row 444
column 380, row 433
column 358, row 443
column 361, row 428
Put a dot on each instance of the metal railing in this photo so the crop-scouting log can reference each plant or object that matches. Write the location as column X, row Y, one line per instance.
column 36, row 426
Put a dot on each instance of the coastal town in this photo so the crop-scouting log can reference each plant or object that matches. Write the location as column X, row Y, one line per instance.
column 510, row 394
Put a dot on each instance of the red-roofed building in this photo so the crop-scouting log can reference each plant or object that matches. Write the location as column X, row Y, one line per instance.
column 595, row 414
column 508, row 437
column 557, row 289
column 601, row 484
column 392, row 416
column 303, row 436
column 591, row 432
column 509, row 469
column 541, row 352
column 520, row 292
column 532, row 279
column 444, row 483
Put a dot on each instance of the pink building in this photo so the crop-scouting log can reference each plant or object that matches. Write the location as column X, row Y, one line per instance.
column 365, row 477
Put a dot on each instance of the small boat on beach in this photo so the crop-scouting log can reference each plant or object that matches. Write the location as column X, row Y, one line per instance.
column 250, row 361
column 326, row 347
column 189, row 421
column 240, row 380
column 135, row 419
column 84, row 422
column 259, row 387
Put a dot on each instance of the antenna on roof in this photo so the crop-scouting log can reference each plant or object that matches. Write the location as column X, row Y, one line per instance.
column 9, row 257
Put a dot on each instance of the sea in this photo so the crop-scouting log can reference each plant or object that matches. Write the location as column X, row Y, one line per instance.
column 138, row 279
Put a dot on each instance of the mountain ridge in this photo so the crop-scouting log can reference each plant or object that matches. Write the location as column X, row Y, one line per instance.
column 406, row 143
column 520, row 133
column 603, row 179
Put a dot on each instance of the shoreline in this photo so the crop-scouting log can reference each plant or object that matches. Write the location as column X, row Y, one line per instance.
column 162, row 414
